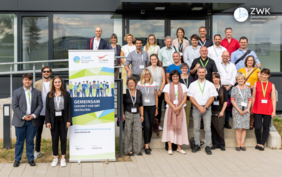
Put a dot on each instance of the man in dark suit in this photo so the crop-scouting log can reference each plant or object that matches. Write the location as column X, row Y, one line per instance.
column 97, row 43
column 27, row 105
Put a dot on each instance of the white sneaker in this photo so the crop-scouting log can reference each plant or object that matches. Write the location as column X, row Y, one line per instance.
column 37, row 154
column 169, row 152
column 182, row 151
column 54, row 163
column 160, row 128
column 63, row 163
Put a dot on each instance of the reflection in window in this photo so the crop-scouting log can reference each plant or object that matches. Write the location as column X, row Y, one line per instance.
column 71, row 32
column 265, row 39
column 8, row 45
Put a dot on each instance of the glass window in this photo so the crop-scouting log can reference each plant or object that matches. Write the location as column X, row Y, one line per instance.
column 71, row 31
column 8, row 40
column 265, row 39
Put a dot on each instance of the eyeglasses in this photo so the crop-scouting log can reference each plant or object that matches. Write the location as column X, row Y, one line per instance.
column 147, row 74
column 46, row 71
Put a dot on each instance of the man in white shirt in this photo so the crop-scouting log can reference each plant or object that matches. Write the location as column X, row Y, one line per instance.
column 227, row 72
column 97, row 43
column 216, row 50
column 202, row 93
column 192, row 51
column 44, row 85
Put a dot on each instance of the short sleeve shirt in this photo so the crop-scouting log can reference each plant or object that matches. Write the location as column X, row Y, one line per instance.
column 167, row 88
column 209, row 64
column 148, row 93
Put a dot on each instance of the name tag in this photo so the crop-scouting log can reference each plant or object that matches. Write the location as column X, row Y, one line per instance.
column 133, row 110
column 141, row 66
column 181, row 54
column 175, row 101
column 216, row 102
column 248, row 84
column 243, row 104
column 263, row 101
column 147, row 101
column 58, row 113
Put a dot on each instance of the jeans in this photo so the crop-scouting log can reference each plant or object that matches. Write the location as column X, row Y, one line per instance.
column 197, row 124
column 25, row 133
column 71, row 93
column 98, row 92
column 39, row 133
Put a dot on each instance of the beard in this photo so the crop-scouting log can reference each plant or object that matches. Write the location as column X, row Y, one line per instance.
column 46, row 77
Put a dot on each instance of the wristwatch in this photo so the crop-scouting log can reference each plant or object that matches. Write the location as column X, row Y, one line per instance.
column 205, row 107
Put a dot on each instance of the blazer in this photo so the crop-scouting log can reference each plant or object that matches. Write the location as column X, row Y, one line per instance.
column 103, row 44
column 39, row 85
column 19, row 106
column 50, row 110
column 185, row 44
column 118, row 48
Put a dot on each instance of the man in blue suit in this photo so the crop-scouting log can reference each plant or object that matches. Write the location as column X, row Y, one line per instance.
column 97, row 43
column 27, row 105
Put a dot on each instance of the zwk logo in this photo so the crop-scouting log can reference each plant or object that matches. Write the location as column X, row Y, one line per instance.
column 76, row 59
column 258, row 11
column 101, row 57
column 241, row 14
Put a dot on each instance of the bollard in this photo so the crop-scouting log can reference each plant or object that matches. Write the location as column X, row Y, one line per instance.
column 7, row 126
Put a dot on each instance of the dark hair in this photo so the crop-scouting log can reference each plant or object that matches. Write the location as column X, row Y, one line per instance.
column 203, row 27
column 42, row 69
column 266, row 71
column 138, row 39
column 184, row 65
column 217, row 35
column 221, row 94
column 114, row 36
column 228, row 28
column 53, row 89
column 194, row 36
column 131, row 78
column 254, row 61
column 242, row 38
column 173, row 72
column 29, row 76
column 181, row 29
column 159, row 62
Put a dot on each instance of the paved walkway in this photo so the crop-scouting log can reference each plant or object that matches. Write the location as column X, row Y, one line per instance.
column 228, row 163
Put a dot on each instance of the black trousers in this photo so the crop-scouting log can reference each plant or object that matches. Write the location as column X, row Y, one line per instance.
column 258, row 123
column 39, row 133
column 149, row 115
column 217, row 141
column 160, row 102
column 59, row 132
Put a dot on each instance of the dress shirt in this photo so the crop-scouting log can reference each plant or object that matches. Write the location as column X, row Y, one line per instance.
column 165, row 55
column 215, row 53
column 28, row 101
column 208, row 91
column 96, row 43
column 232, row 46
column 139, row 61
column 238, row 53
column 207, row 43
column 190, row 54
column 227, row 73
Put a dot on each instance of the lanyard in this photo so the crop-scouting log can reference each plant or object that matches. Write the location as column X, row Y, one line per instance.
column 147, row 92
column 180, row 45
column 176, row 93
column 202, row 44
column 224, row 67
column 152, row 50
column 217, row 89
column 194, row 52
column 216, row 52
column 203, row 87
column 241, row 93
column 206, row 62
column 28, row 95
column 58, row 99
column 139, row 56
column 264, row 90
column 248, row 73
column 186, row 83
column 133, row 102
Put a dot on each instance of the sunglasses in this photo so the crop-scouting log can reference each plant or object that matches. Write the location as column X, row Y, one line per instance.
column 46, row 71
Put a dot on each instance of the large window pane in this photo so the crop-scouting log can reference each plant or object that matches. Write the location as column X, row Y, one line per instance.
column 8, row 40
column 265, row 39
column 71, row 32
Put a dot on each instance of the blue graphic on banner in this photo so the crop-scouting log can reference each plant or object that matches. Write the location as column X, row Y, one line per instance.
column 81, row 106
column 109, row 70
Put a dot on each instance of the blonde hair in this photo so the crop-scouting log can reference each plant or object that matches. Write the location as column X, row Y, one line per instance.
column 148, row 44
column 240, row 75
column 125, row 37
column 142, row 77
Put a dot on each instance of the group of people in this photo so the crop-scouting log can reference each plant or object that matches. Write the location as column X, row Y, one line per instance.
column 88, row 89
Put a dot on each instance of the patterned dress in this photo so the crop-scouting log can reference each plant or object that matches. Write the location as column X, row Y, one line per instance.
column 238, row 120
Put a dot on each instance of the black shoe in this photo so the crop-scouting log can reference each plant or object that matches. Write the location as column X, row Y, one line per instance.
column 131, row 154
column 214, row 147
column 140, row 154
column 147, row 151
column 16, row 163
column 150, row 149
column 196, row 148
column 222, row 148
column 208, row 150
column 257, row 147
column 31, row 163
column 261, row 149
column 226, row 125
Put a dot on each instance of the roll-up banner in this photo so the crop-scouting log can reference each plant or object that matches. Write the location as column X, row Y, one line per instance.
column 91, row 84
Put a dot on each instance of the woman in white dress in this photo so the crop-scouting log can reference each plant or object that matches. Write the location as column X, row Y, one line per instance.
column 151, row 47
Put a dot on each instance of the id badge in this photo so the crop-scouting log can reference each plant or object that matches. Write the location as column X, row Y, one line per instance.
column 216, row 102
column 181, row 54
column 141, row 67
column 133, row 110
column 248, row 84
column 264, row 101
column 58, row 113
column 175, row 101
column 147, row 101
column 243, row 104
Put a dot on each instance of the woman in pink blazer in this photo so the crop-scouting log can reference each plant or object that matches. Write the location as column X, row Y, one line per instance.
column 180, row 43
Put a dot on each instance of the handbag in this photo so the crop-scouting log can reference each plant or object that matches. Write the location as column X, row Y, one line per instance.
column 192, row 143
